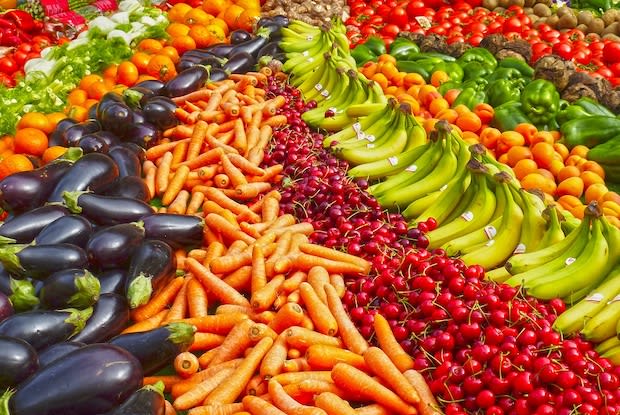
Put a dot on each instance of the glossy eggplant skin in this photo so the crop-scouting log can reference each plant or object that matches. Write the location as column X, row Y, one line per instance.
column 160, row 111
column 74, row 134
column 92, row 143
column 222, row 50
column 127, row 161
column 139, row 151
column 240, row 62
column 145, row 401
column 72, row 287
column 187, row 81
column 112, row 210
column 18, row 360
column 113, row 246
column 251, row 46
column 152, row 265
column 23, row 191
column 130, row 186
column 239, row 36
column 116, row 117
column 42, row 328
column 70, row 229
column 56, row 351
column 178, row 231
column 95, row 379
column 26, row 226
column 56, row 137
column 270, row 49
column 110, row 317
column 93, row 171
column 144, row 134
column 40, row 261
column 112, row 281
column 153, row 85
column 6, row 308
column 108, row 99
column 109, row 137
column 218, row 74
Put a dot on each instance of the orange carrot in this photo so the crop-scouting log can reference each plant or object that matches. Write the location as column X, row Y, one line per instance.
column 258, row 406
column 240, row 278
column 235, row 342
column 302, row 338
column 216, row 409
column 325, row 357
column 224, row 201
column 382, row 366
column 389, row 344
column 273, row 104
column 236, row 176
column 214, row 250
column 206, row 341
column 290, row 314
column 321, row 316
column 186, row 364
column 197, row 302
column 179, row 204
column 333, row 404
column 200, row 391
column 275, row 121
column 244, row 165
column 428, row 404
column 250, row 229
column 163, row 170
column 292, row 282
column 297, row 377
column 354, row 380
column 193, row 96
column 205, row 374
column 215, row 285
column 178, row 309
column 169, row 409
column 237, row 247
column 204, row 159
column 274, row 359
column 159, row 150
column 221, row 180
column 372, row 409
column 179, row 153
column 159, row 301
column 283, row 221
column 220, row 225
column 229, row 391
column 334, row 255
column 148, row 324
column 269, row 175
column 252, row 137
column 264, row 297
column 337, row 281
column 259, row 274
column 248, row 191
column 317, row 278
column 297, row 364
column 256, row 386
column 195, row 202
column 260, row 330
column 286, row 403
column 305, row 262
column 217, row 323
column 348, row 331
column 215, row 143
column 270, row 209
column 230, row 262
column 167, row 380
column 150, row 171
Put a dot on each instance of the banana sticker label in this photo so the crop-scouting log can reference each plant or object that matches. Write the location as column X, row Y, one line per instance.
column 569, row 260
column 468, row 216
column 520, row 249
column 490, row 231
column 595, row 298
column 412, row 168
column 393, row 160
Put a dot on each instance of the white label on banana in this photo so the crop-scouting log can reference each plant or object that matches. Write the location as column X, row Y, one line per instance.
column 490, row 231
column 318, row 87
column 520, row 249
column 304, row 53
column 570, row 260
column 370, row 138
column 468, row 216
column 393, row 160
column 613, row 300
column 325, row 93
column 310, row 59
column 444, row 187
column 370, row 145
column 491, row 242
column 357, row 127
column 595, row 298
column 309, row 38
column 412, row 168
column 334, row 110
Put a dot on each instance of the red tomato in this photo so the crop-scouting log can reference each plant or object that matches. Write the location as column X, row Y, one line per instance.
column 615, row 68
column 582, row 56
column 398, row 16
column 611, row 52
column 513, row 25
column 551, row 35
column 563, row 50
column 20, row 57
column 390, row 30
column 25, row 47
column 8, row 65
column 605, row 72
column 475, row 39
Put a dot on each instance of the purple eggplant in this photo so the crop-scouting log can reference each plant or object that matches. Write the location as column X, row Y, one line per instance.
column 93, row 171
column 57, row 136
column 39, row 261
column 93, row 379
column 109, row 137
column 178, row 231
column 116, row 117
column 185, row 64
column 6, row 308
column 160, row 111
column 25, row 227
column 127, row 161
column 27, row 190
column 113, row 246
column 22, row 294
column 240, row 62
column 152, row 266
column 212, row 62
column 93, row 143
column 171, row 340
column 112, row 281
column 252, row 46
column 137, row 96
column 217, row 74
column 110, row 317
column 18, row 360
column 42, row 328
column 239, row 36
column 58, row 350
column 130, row 186
column 138, row 150
column 70, row 229
column 223, row 50
column 270, row 49
column 144, row 134
column 74, row 134
column 153, row 85
column 187, row 81
column 106, row 210
column 70, row 288
column 108, row 99
column 148, row 400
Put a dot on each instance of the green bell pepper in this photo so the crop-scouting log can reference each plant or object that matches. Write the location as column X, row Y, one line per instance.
column 453, row 69
column 475, row 70
column 571, row 112
column 607, row 152
column 505, row 73
column 590, row 131
column 514, row 63
column 402, row 49
column 470, row 97
column 541, row 102
column 508, row 116
column 503, row 90
column 376, row 45
column 480, row 55
column 446, row 86
column 593, row 107
column 362, row 54
column 420, row 67
column 439, row 57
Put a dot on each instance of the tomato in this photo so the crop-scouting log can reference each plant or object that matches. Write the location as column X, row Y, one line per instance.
column 516, row 10
column 383, row 10
column 582, row 56
column 41, row 40
column 605, row 72
column 390, row 30
column 20, row 57
column 611, row 52
column 615, row 68
column 551, row 35
column 438, row 30
column 563, row 50
column 513, row 25
column 415, row 8
column 8, row 65
column 6, row 80
column 398, row 16
column 494, row 27
column 368, row 31
column 475, row 39
column 25, row 47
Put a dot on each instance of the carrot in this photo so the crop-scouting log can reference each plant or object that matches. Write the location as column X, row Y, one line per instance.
column 296, row 364
column 230, row 262
column 282, row 248
column 214, row 250
column 163, row 170
column 213, row 142
column 202, row 375
column 248, row 191
column 195, row 202
column 354, row 380
column 216, row 409
column 428, row 404
column 252, row 137
column 264, row 297
column 150, row 171
column 204, row 159
column 159, row 301
column 167, row 380
column 235, row 342
column 210, row 237
column 372, row 409
column 237, row 247
column 179, row 153
column 260, row 330
column 321, row 316
column 224, row 201
column 243, row 80
column 221, row 180
column 275, row 121
column 261, row 78
column 382, row 366
column 273, row 104
column 305, row 228
column 159, row 150
column 259, row 274
column 204, row 172
column 337, row 281
column 220, row 225
column 216, row 323
column 388, row 343
column 333, row 404
column 193, row 96
column 351, row 336
column 206, row 341
column 201, row 390
column 256, row 386
column 334, row 255
column 269, row 175
column 305, row 262
column 240, row 278
column 169, row 409
column 236, row 176
column 258, row 406
column 178, row 309
column 270, row 209
column 237, row 381
column 186, row 364
column 290, row 314
column 179, row 204
column 148, row 324
column 285, row 402
column 311, row 387
column 274, row 359
column 325, row 357
column 297, row 377
column 244, row 165
column 302, row 338
column 317, row 278
column 215, row 285
column 250, row 229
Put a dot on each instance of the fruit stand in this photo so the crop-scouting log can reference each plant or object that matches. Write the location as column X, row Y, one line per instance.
column 366, row 207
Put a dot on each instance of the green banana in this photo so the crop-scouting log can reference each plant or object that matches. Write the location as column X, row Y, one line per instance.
column 533, row 227
column 375, row 134
column 387, row 167
column 553, row 233
column 613, row 355
column 352, row 132
column 363, row 109
column 607, row 345
column 497, row 275
column 475, row 239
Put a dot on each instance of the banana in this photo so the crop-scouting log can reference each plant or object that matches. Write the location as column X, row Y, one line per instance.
column 333, row 102
column 613, row 355
column 422, row 204
column 474, row 239
column 603, row 325
column 353, row 131
column 607, row 345
column 553, row 233
column 589, row 267
column 417, row 134
column 497, row 275
column 391, row 165
column 295, row 61
column 497, row 250
column 313, row 81
column 354, row 93
column 321, row 90
column 363, row 109
column 375, row 134
column 574, row 318
column 534, row 224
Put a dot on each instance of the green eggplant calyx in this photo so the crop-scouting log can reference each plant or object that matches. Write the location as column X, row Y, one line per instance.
column 87, row 292
column 77, row 318
column 71, row 200
column 24, row 296
column 8, row 257
column 139, row 291
column 181, row 333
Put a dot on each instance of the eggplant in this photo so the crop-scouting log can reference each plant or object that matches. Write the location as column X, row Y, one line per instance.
column 113, row 246
column 92, row 112
column 136, row 96
column 148, row 400
column 73, row 134
column 39, row 261
column 42, row 328
column 26, row 190
column 108, row 99
column 172, row 339
column 189, row 80
column 58, row 350
column 239, row 36
column 109, row 137
column 187, row 63
column 106, row 210
column 252, row 46
column 222, row 50
column 144, row 134
column 6, row 308
column 152, row 266
column 93, row 379
column 22, row 294
column 160, row 111
column 116, row 117
column 126, row 160
column 280, row 19
column 240, row 62
column 93, row 171
column 270, row 49
column 153, row 85
column 112, row 281
column 217, row 74
column 139, row 151
column 178, row 231
column 213, row 62
column 110, row 317
column 25, row 227
column 92, row 143
column 18, row 360
column 57, row 136
column 70, row 229
column 70, row 288
column 138, row 116
column 130, row 186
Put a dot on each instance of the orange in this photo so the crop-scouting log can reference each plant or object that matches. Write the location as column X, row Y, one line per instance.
column 197, row 16
column 162, row 67
column 52, row 153
column 579, row 151
column 568, row 171
column 215, row 7
column 88, row 80
column 178, row 11
column 231, row 15
column 55, row 117
column 141, row 60
column 469, row 121
column 183, row 43
column 517, row 153
column 150, row 45
column 572, row 186
column 524, row 167
column 170, row 52
column 110, row 71
column 439, row 77
column 77, row 97
column 201, row 35
column 30, row 141
column 542, row 137
column 36, row 120
column 596, row 192
column 217, row 33
column 589, row 178
column 78, row 113
column 97, row 89
column 543, row 153
column 574, row 160
column 127, row 73
column 14, row 163
column 177, row 29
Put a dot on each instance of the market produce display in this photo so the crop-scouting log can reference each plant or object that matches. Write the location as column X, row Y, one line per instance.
column 274, row 216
